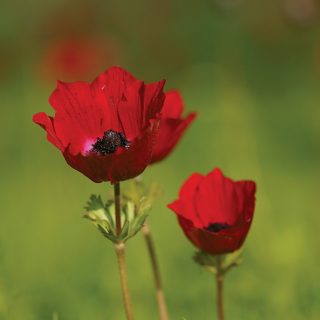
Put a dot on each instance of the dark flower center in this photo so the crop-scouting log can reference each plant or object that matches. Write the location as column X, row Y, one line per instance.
column 217, row 226
column 109, row 143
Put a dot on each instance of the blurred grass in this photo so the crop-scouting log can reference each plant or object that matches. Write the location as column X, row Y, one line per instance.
column 257, row 94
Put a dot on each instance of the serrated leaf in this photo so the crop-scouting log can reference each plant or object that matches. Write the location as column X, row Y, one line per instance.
column 139, row 220
column 109, row 211
column 125, row 230
column 130, row 210
column 232, row 260
column 221, row 265
column 103, row 217
column 205, row 260
column 136, row 227
column 106, row 234
column 94, row 203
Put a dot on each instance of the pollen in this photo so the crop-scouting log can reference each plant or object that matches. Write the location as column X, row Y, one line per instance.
column 110, row 142
column 216, row 227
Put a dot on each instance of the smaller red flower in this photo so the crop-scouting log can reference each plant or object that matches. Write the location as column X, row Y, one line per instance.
column 105, row 129
column 215, row 212
column 172, row 125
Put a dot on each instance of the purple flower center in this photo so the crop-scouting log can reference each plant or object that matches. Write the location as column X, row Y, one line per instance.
column 110, row 142
column 217, row 226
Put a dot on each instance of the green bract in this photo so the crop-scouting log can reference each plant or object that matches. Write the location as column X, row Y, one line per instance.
column 210, row 262
column 102, row 215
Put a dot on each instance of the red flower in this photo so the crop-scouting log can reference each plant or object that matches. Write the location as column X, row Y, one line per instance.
column 75, row 57
column 106, row 129
column 172, row 126
column 215, row 212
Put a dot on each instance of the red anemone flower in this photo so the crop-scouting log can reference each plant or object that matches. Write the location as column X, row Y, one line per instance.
column 215, row 212
column 105, row 129
column 172, row 125
column 75, row 57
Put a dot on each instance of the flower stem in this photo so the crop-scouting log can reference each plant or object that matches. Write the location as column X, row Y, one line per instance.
column 117, row 207
column 120, row 251
column 219, row 283
column 156, row 273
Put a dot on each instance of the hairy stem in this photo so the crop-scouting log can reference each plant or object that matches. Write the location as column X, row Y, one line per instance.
column 120, row 251
column 219, row 284
column 117, row 207
column 162, row 307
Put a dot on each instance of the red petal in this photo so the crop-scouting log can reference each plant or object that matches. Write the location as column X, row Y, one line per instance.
column 114, row 82
column 173, row 105
column 134, row 102
column 170, row 133
column 246, row 190
column 216, row 199
column 78, row 115
column 46, row 123
column 221, row 242
column 117, row 166
column 153, row 97
column 184, row 206
column 130, row 110
column 131, row 163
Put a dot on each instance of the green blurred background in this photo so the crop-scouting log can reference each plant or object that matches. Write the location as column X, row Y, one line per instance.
column 251, row 69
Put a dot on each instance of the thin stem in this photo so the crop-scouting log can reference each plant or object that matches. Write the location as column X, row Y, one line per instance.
column 117, row 207
column 156, row 273
column 120, row 250
column 219, row 283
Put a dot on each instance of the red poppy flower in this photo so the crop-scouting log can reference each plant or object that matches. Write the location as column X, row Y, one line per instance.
column 106, row 129
column 75, row 57
column 172, row 126
column 215, row 212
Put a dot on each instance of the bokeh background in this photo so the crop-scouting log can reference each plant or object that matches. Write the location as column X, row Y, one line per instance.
column 251, row 69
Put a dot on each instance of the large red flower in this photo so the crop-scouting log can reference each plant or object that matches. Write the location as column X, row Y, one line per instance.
column 105, row 129
column 172, row 125
column 215, row 212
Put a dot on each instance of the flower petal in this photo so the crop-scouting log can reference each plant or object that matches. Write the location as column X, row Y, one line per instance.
column 170, row 132
column 222, row 242
column 46, row 122
column 78, row 116
column 246, row 190
column 217, row 200
column 184, row 206
column 117, row 166
column 114, row 82
column 153, row 99
column 130, row 110
column 214, row 243
column 173, row 105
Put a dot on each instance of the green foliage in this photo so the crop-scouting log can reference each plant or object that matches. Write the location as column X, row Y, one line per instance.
column 94, row 203
column 210, row 262
column 103, row 217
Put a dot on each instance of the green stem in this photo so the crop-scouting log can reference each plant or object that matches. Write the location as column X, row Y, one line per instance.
column 219, row 284
column 120, row 251
column 162, row 307
column 117, row 207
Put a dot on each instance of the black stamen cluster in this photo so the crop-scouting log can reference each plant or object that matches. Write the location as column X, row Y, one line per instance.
column 109, row 143
column 216, row 227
